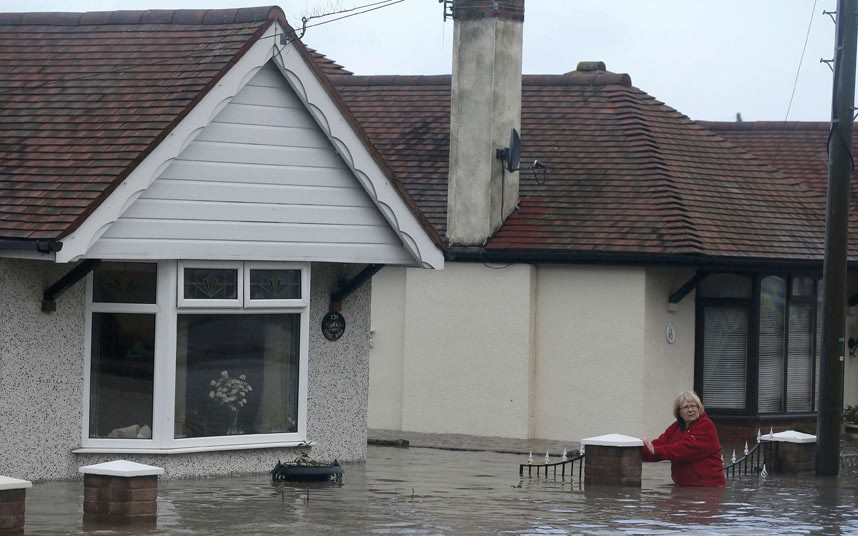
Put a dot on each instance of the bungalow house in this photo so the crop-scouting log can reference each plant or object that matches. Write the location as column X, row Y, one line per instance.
column 187, row 215
column 654, row 255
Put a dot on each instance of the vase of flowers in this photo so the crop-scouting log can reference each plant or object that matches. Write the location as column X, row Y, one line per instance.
column 230, row 393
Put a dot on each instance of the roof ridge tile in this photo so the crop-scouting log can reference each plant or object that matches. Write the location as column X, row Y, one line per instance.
column 149, row 16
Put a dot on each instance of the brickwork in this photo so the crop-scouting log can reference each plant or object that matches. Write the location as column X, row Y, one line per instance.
column 734, row 434
column 120, row 500
column 612, row 466
column 484, row 9
column 795, row 458
column 12, row 506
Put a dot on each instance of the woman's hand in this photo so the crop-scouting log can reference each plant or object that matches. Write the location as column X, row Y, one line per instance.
column 648, row 445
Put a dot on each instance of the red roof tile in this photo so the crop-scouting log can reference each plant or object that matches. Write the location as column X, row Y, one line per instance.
column 85, row 96
column 628, row 176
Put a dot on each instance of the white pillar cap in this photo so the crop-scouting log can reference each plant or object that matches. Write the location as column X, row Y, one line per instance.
column 122, row 468
column 7, row 482
column 613, row 440
column 790, row 436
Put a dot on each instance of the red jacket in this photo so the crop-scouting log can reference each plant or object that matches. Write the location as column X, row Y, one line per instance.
column 694, row 453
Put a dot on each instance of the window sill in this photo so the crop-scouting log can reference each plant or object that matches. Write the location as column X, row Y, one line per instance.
column 187, row 450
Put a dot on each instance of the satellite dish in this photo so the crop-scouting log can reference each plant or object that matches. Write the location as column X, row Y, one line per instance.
column 513, row 151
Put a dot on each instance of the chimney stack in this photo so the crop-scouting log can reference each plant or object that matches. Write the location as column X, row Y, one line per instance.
column 485, row 106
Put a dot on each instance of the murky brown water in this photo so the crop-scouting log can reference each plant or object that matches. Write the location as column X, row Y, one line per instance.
column 434, row 492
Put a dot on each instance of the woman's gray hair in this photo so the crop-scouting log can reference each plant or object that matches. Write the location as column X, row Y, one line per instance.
column 689, row 396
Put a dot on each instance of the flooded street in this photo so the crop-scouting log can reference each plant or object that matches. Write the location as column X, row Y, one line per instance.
column 420, row 491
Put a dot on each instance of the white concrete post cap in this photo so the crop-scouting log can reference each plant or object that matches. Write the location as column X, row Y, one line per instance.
column 613, row 440
column 789, row 436
column 121, row 468
column 7, row 482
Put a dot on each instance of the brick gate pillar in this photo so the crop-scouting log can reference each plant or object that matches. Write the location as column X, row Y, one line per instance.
column 120, row 492
column 13, row 495
column 795, row 452
column 612, row 460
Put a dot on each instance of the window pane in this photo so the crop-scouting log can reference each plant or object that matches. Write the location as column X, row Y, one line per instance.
column 800, row 359
column 121, row 375
column 275, row 284
column 724, row 357
column 124, row 282
column 802, row 286
column 210, row 284
column 772, row 314
column 219, row 356
column 725, row 286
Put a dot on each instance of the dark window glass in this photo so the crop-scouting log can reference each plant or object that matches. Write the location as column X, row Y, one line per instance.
column 275, row 284
column 725, row 286
column 122, row 375
column 124, row 282
column 725, row 357
column 210, row 284
column 772, row 318
column 236, row 374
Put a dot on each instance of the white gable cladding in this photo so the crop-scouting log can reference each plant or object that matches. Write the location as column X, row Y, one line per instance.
column 261, row 181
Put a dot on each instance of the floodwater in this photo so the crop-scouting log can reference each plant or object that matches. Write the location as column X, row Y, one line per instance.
column 421, row 491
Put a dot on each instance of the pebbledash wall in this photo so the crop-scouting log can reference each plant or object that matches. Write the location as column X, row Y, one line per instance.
column 41, row 380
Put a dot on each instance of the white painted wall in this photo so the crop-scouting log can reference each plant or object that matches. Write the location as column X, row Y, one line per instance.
column 261, row 181
column 668, row 368
column 467, row 354
column 590, row 327
column 388, row 348
column 527, row 351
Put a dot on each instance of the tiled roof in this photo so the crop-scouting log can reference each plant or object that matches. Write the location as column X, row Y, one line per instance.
column 85, row 96
column 799, row 150
column 629, row 177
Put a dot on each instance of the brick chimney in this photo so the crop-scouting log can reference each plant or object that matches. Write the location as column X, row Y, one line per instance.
column 486, row 104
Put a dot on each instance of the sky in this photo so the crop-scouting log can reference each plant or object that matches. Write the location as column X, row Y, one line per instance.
column 709, row 59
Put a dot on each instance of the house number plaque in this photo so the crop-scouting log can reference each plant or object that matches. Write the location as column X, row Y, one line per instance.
column 333, row 326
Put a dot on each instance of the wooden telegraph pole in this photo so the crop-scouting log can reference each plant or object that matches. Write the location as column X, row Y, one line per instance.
column 836, row 241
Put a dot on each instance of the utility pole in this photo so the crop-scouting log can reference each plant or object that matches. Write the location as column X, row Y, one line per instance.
column 836, row 242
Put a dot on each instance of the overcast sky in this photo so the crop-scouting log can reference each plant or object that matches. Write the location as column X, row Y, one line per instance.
column 709, row 59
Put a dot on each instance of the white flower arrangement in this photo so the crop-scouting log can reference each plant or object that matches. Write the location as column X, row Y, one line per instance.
column 230, row 392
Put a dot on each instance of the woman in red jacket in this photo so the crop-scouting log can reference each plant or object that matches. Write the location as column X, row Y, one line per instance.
column 691, row 444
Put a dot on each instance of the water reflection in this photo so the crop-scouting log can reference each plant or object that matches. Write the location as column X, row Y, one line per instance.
column 433, row 492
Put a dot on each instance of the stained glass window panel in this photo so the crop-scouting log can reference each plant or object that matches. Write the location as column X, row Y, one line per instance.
column 273, row 284
column 210, row 284
column 124, row 282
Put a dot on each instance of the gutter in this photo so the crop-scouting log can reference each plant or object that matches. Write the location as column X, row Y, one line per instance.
column 479, row 254
column 39, row 246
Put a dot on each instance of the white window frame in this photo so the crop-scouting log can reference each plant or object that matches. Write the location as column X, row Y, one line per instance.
column 238, row 301
column 267, row 304
column 166, row 309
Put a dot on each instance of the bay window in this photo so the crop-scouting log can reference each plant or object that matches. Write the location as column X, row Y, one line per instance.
column 758, row 345
column 196, row 354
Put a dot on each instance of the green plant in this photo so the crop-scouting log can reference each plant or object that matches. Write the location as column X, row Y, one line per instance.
column 850, row 414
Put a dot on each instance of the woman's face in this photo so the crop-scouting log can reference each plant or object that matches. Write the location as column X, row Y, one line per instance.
column 688, row 410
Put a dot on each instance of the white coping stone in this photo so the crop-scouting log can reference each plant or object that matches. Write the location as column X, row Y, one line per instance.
column 613, row 440
column 122, row 468
column 790, row 436
column 7, row 482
